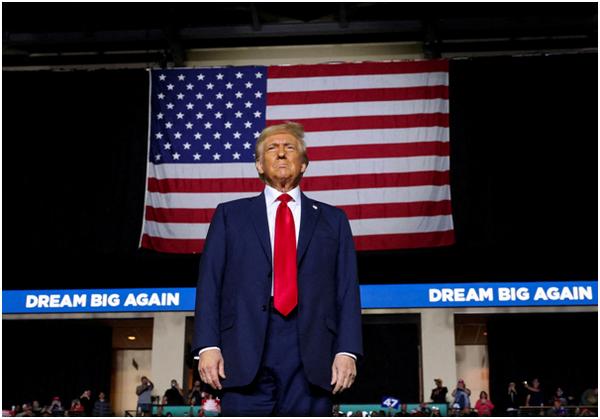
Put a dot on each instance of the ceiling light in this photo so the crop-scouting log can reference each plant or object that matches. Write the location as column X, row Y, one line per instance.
column 131, row 337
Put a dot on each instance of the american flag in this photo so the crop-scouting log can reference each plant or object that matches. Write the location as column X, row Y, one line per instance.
column 377, row 137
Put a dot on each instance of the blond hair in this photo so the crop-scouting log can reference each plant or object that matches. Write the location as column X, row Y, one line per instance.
column 295, row 129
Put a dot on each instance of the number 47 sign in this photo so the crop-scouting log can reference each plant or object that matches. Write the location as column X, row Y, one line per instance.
column 390, row 402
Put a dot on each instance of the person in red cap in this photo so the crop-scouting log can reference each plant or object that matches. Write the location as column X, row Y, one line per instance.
column 56, row 408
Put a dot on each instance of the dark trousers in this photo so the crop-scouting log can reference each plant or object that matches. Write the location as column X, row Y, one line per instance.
column 280, row 387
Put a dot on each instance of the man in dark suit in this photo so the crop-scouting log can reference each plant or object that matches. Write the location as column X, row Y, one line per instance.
column 277, row 306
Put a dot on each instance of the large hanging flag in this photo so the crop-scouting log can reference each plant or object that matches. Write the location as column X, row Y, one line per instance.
column 377, row 137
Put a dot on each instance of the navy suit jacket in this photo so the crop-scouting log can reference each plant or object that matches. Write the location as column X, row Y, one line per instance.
column 234, row 288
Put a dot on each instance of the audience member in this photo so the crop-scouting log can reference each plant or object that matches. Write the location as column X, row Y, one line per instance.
column 174, row 394
column 102, row 406
column 56, row 408
column 589, row 397
column 26, row 411
column 511, row 400
column 86, row 402
column 557, row 409
column 36, row 408
column 484, row 405
column 144, row 393
column 195, row 395
column 211, row 404
column 535, row 396
column 461, row 396
column 439, row 393
column 76, row 408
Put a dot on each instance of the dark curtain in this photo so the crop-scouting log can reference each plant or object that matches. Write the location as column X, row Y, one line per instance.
column 391, row 363
column 561, row 350
column 523, row 178
column 42, row 359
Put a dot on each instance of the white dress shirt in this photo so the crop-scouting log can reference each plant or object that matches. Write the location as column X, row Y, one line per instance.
column 295, row 205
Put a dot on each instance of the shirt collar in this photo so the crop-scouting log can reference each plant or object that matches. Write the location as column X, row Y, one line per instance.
column 272, row 194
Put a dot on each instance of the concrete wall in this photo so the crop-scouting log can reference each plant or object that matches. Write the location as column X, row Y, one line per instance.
column 125, row 377
column 472, row 365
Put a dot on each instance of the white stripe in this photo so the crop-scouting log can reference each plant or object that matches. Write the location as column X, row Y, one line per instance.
column 345, row 109
column 375, row 166
column 401, row 225
column 193, row 200
column 382, row 195
column 334, row 197
column 376, row 136
column 176, row 230
column 377, row 81
column 202, row 171
column 359, row 227
column 316, row 168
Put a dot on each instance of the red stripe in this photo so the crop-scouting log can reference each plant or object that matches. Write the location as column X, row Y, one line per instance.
column 179, row 215
column 354, row 212
column 395, row 210
column 362, row 95
column 173, row 185
column 356, row 69
column 366, row 151
column 404, row 241
column 371, row 122
column 316, row 183
column 373, row 242
column 365, row 181
column 172, row 245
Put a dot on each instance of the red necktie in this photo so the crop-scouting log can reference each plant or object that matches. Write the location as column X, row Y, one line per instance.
column 285, row 284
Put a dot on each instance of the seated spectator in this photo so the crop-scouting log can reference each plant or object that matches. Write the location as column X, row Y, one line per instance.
column 559, row 395
column 102, row 406
column 557, row 409
column 76, row 408
column 211, row 404
column 56, row 408
column 484, row 406
column 589, row 397
column 26, row 411
column 36, row 408
column 424, row 410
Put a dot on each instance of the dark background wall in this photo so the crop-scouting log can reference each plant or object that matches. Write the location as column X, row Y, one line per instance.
column 44, row 358
column 560, row 349
column 523, row 179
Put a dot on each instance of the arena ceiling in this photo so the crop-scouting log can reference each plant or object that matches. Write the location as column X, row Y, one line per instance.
column 42, row 34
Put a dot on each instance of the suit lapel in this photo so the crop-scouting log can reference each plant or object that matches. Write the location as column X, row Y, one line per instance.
column 258, row 214
column 308, row 222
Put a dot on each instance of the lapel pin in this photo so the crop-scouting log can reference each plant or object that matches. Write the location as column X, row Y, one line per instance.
column 315, row 207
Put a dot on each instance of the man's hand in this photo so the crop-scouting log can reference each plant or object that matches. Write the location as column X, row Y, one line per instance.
column 343, row 372
column 211, row 366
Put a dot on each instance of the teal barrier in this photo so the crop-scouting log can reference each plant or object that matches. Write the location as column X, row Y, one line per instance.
column 180, row 411
column 345, row 408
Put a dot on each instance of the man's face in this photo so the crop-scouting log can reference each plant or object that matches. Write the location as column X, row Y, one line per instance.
column 281, row 160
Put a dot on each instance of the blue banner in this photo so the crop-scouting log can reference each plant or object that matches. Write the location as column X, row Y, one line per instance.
column 505, row 294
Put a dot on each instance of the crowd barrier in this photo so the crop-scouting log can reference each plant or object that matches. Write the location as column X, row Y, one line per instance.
column 345, row 408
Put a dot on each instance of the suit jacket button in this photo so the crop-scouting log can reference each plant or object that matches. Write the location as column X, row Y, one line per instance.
column 264, row 308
